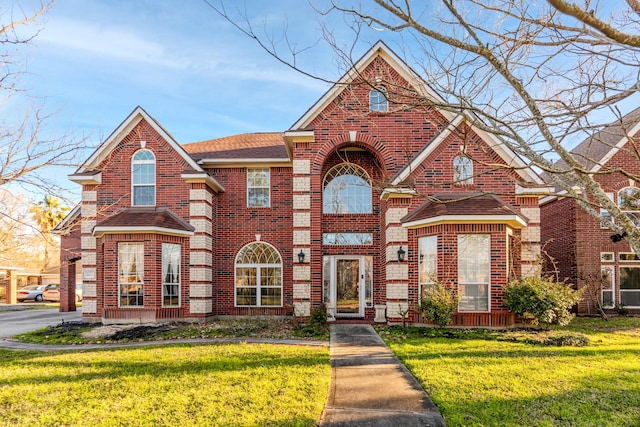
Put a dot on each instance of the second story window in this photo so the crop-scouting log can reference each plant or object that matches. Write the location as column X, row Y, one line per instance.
column 346, row 190
column 258, row 188
column 143, row 178
column 629, row 202
column 378, row 100
column 462, row 170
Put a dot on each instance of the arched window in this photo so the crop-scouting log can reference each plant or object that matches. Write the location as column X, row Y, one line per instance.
column 629, row 202
column 258, row 276
column 462, row 170
column 143, row 178
column 378, row 99
column 346, row 189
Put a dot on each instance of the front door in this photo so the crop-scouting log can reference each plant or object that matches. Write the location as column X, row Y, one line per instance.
column 347, row 283
column 348, row 287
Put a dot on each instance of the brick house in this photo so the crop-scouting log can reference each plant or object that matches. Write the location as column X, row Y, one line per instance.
column 585, row 252
column 365, row 201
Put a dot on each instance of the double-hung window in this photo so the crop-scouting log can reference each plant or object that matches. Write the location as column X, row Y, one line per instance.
column 629, row 279
column 258, row 188
column 131, row 274
column 474, row 272
column 170, row 275
column 428, row 262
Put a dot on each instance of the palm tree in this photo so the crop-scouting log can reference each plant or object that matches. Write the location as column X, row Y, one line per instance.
column 48, row 213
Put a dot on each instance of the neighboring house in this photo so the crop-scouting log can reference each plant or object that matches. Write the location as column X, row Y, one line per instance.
column 365, row 201
column 585, row 252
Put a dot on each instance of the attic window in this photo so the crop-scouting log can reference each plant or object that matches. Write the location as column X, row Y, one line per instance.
column 462, row 170
column 378, row 100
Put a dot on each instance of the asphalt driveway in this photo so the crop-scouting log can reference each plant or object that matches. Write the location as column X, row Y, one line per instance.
column 17, row 319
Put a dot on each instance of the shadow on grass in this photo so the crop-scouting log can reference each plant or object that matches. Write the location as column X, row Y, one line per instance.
column 135, row 361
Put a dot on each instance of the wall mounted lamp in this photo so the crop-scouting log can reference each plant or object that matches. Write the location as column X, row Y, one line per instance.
column 615, row 238
column 301, row 257
column 401, row 254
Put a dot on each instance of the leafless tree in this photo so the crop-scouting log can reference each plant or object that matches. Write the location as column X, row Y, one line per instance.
column 540, row 75
column 28, row 146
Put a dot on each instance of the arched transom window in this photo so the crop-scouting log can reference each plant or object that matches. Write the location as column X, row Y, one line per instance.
column 462, row 170
column 143, row 178
column 258, row 276
column 346, row 189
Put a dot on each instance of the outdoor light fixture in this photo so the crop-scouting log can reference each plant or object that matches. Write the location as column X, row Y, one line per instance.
column 615, row 238
column 401, row 253
column 301, row 257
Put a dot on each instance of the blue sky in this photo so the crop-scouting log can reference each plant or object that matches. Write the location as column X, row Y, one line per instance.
column 96, row 60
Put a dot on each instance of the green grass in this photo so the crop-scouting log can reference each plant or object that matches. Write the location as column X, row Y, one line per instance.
column 213, row 385
column 478, row 380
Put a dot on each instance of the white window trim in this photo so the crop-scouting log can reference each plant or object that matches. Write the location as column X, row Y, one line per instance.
column 258, row 287
column 268, row 186
column 349, row 169
column 464, row 176
column 603, row 254
column 155, row 172
column 628, row 290
column 488, row 282
column 604, row 212
column 379, row 106
column 434, row 275
column 179, row 284
column 612, row 269
column 142, row 283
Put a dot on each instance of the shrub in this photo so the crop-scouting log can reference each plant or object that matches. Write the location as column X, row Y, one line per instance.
column 541, row 298
column 439, row 304
column 318, row 325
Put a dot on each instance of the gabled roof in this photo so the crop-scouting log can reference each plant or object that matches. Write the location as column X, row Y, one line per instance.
column 268, row 146
column 595, row 151
column 144, row 220
column 469, row 208
column 64, row 226
column 379, row 49
column 88, row 172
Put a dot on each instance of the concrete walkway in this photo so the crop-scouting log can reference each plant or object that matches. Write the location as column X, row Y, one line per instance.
column 369, row 385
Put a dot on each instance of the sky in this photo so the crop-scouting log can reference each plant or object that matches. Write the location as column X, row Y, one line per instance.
column 94, row 61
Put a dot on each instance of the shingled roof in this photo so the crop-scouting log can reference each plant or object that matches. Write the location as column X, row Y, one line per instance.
column 144, row 220
column 475, row 207
column 253, row 146
column 593, row 150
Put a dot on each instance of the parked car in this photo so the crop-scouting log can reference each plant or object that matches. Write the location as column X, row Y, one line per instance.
column 52, row 292
column 30, row 292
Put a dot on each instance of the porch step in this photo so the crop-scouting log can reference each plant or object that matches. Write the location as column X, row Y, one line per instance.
column 361, row 321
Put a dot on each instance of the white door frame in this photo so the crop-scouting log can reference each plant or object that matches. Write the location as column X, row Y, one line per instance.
column 333, row 288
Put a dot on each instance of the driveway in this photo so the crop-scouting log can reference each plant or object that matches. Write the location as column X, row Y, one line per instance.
column 13, row 322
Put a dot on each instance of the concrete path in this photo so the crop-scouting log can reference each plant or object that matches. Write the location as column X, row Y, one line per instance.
column 369, row 385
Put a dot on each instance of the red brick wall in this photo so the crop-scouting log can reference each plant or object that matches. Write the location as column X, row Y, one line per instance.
column 237, row 226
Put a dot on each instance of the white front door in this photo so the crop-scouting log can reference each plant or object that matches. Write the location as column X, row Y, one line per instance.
column 345, row 285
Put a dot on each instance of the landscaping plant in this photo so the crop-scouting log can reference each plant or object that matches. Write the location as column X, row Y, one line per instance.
column 542, row 299
column 439, row 304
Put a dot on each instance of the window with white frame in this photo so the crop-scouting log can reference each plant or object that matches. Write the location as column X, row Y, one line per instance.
column 378, row 100
column 258, row 188
column 143, row 178
column 428, row 262
column 629, row 202
column 462, row 170
column 604, row 214
column 131, row 274
column 630, row 286
column 346, row 190
column 607, row 284
column 258, row 276
column 606, row 257
column 170, row 275
column 474, row 272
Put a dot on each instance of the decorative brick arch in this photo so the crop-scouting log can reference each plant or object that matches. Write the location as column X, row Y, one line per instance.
column 364, row 141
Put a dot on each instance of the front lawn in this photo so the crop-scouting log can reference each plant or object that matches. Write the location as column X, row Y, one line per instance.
column 213, row 385
column 504, row 380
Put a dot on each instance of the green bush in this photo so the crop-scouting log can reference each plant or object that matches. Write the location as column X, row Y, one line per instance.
column 318, row 325
column 439, row 304
column 541, row 298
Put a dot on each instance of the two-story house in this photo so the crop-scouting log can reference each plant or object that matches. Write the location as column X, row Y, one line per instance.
column 371, row 196
column 585, row 251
